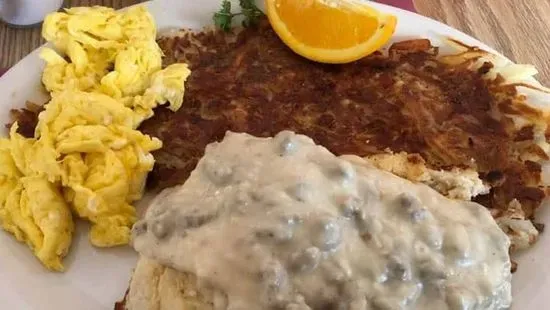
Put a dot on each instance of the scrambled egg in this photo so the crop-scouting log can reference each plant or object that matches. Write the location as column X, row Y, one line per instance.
column 32, row 208
column 97, row 39
column 104, row 160
column 87, row 156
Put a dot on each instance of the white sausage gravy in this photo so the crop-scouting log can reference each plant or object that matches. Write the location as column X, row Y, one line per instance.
column 281, row 223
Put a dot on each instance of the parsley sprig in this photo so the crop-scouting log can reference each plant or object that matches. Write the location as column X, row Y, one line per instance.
column 249, row 11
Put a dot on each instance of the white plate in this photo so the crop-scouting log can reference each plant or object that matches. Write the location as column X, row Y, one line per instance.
column 96, row 278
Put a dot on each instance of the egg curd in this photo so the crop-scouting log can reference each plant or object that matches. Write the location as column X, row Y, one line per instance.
column 87, row 156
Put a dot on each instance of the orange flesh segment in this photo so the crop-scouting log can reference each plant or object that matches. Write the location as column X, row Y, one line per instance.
column 330, row 31
column 331, row 23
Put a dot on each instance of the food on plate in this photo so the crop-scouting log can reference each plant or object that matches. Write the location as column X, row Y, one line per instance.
column 456, row 183
column 112, row 53
column 281, row 223
column 85, row 154
column 457, row 112
column 103, row 163
column 467, row 123
column 337, row 31
column 33, row 209
column 26, row 118
column 250, row 12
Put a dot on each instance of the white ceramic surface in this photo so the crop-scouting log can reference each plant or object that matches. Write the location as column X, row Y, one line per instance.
column 96, row 278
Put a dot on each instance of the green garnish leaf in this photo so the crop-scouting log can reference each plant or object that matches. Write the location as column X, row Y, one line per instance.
column 250, row 12
column 222, row 18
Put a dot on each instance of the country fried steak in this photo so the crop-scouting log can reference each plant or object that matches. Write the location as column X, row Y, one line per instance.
column 448, row 121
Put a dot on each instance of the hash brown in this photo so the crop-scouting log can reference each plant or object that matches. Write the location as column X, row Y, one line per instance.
column 410, row 100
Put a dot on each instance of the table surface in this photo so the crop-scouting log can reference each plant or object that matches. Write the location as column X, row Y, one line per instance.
column 520, row 29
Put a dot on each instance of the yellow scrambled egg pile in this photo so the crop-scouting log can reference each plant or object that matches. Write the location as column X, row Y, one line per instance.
column 87, row 157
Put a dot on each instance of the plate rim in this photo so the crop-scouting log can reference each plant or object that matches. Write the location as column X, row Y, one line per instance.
column 19, row 71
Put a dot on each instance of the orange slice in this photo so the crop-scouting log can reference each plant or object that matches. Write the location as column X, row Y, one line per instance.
column 330, row 31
